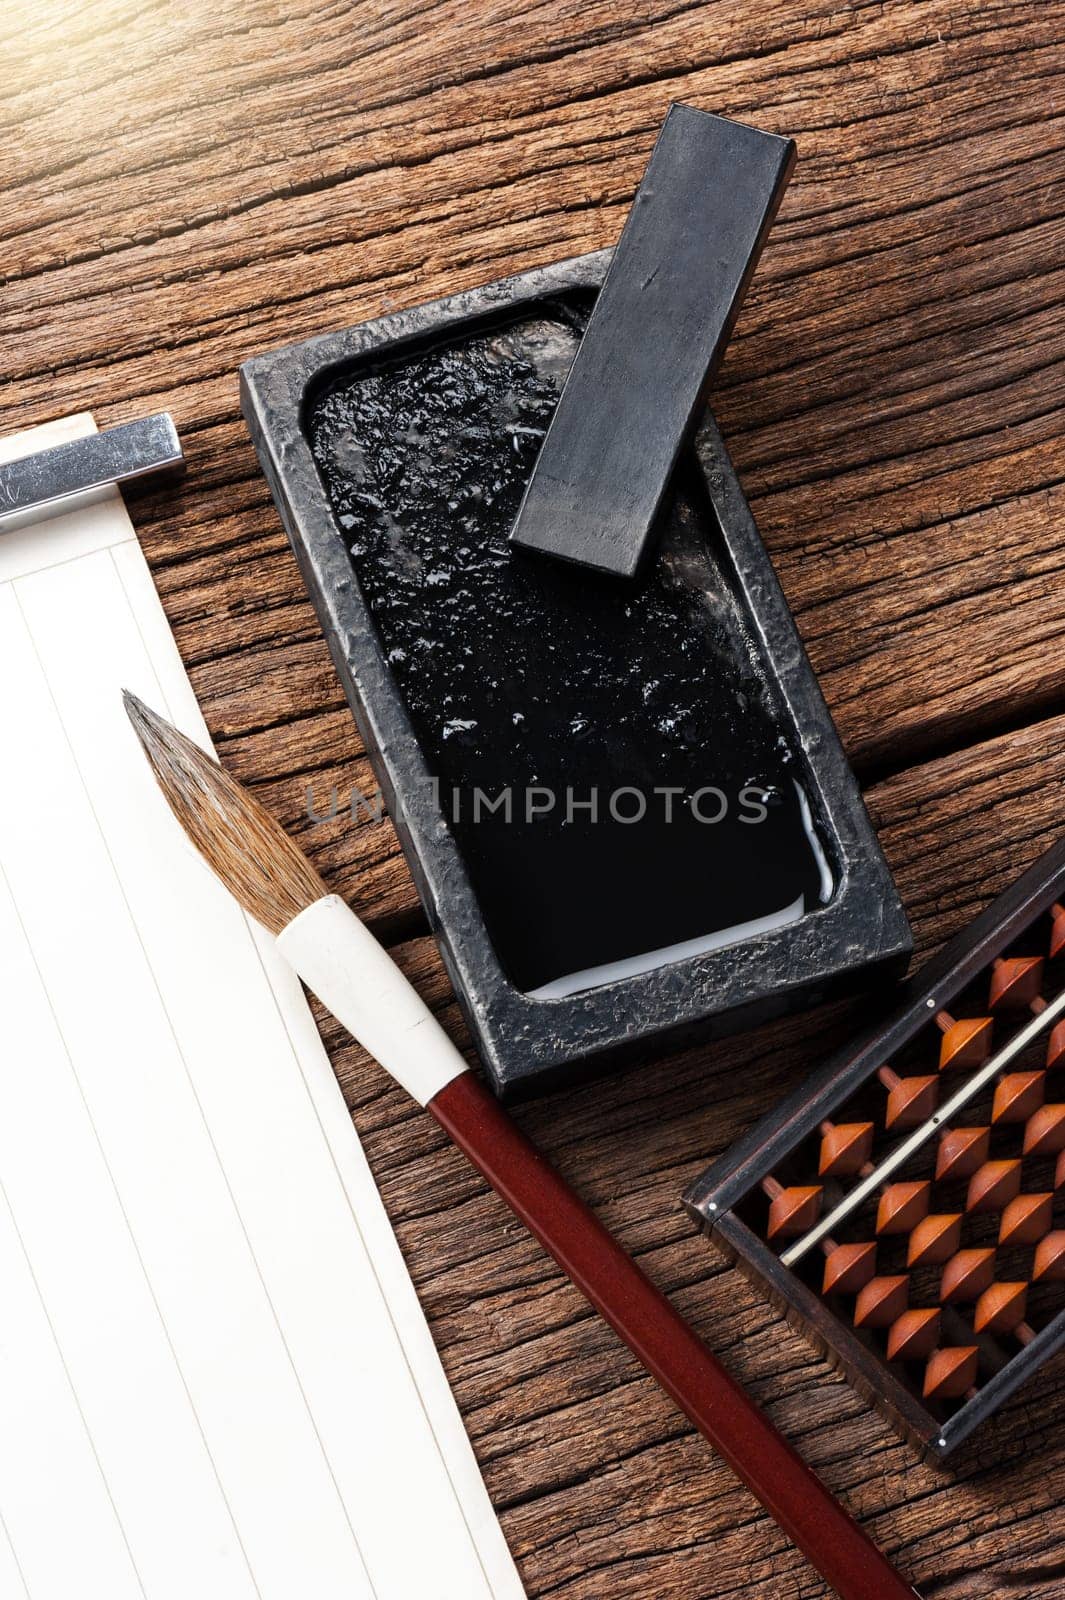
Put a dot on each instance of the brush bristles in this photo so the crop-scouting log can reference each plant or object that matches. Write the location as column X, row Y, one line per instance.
column 250, row 852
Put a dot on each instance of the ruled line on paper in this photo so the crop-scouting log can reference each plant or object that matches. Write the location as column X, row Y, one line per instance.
column 11, row 1577
column 164, row 705
column 123, row 1280
column 88, row 800
column 137, row 583
column 26, row 1358
column 176, row 1040
column 129, row 1284
column 228, row 1251
column 383, row 1433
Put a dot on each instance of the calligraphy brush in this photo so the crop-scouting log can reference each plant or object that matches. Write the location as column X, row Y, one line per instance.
column 356, row 979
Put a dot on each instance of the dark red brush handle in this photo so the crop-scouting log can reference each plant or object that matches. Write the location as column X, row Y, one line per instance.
column 664, row 1343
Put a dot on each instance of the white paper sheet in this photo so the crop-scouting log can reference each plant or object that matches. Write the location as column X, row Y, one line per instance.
column 215, row 1378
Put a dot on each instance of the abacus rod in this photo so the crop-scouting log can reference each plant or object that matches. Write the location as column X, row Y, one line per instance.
column 905, row 1150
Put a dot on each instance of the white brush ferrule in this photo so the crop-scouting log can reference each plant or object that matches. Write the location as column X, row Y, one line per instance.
column 356, row 979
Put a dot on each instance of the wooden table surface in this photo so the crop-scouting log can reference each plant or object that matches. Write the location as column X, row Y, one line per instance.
column 186, row 185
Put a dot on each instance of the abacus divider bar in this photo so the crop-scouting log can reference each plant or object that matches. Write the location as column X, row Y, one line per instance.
column 918, row 1137
column 665, row 1344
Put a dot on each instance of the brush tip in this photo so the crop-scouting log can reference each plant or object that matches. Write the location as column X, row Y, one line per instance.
column 166, row 747
column 245, row 846
column 146, row 722
column 141, row 716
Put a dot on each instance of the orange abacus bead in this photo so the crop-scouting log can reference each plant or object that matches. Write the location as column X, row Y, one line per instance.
column 1059, row 1171
column 1049, row 1263
column 962, row 1151
column 845, row 1148
column 1016, row 982
column 966, row 1275
column 848, row 1268
column 881, row 1302
column 1044, row 1134
column 993, row 1186
column 965, row 1042
column 791, row 1211
column 914, row 1335
column 1026, row 1219
column 1001, row 1308
column 951, row 1372
column 934, row 1240
column 910, row 1100
column 1017, row 1095
column 902, row 1205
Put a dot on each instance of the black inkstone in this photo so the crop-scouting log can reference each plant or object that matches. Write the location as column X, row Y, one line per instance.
column 579, row 728
column 398, row 453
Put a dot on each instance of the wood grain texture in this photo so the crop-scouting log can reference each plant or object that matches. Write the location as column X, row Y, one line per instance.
column 186, row 186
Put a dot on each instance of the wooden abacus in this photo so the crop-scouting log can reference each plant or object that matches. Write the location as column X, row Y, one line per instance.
column 906, row 1207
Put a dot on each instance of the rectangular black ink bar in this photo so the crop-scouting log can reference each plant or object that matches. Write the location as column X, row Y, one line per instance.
column 654, row 341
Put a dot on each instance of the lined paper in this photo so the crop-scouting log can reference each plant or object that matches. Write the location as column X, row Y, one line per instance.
column 215, row 1379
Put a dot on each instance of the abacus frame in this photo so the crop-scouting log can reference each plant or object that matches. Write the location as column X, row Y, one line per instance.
column 712, row 1200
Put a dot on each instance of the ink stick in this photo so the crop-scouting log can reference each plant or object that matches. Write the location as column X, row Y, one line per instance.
column 656, row 335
